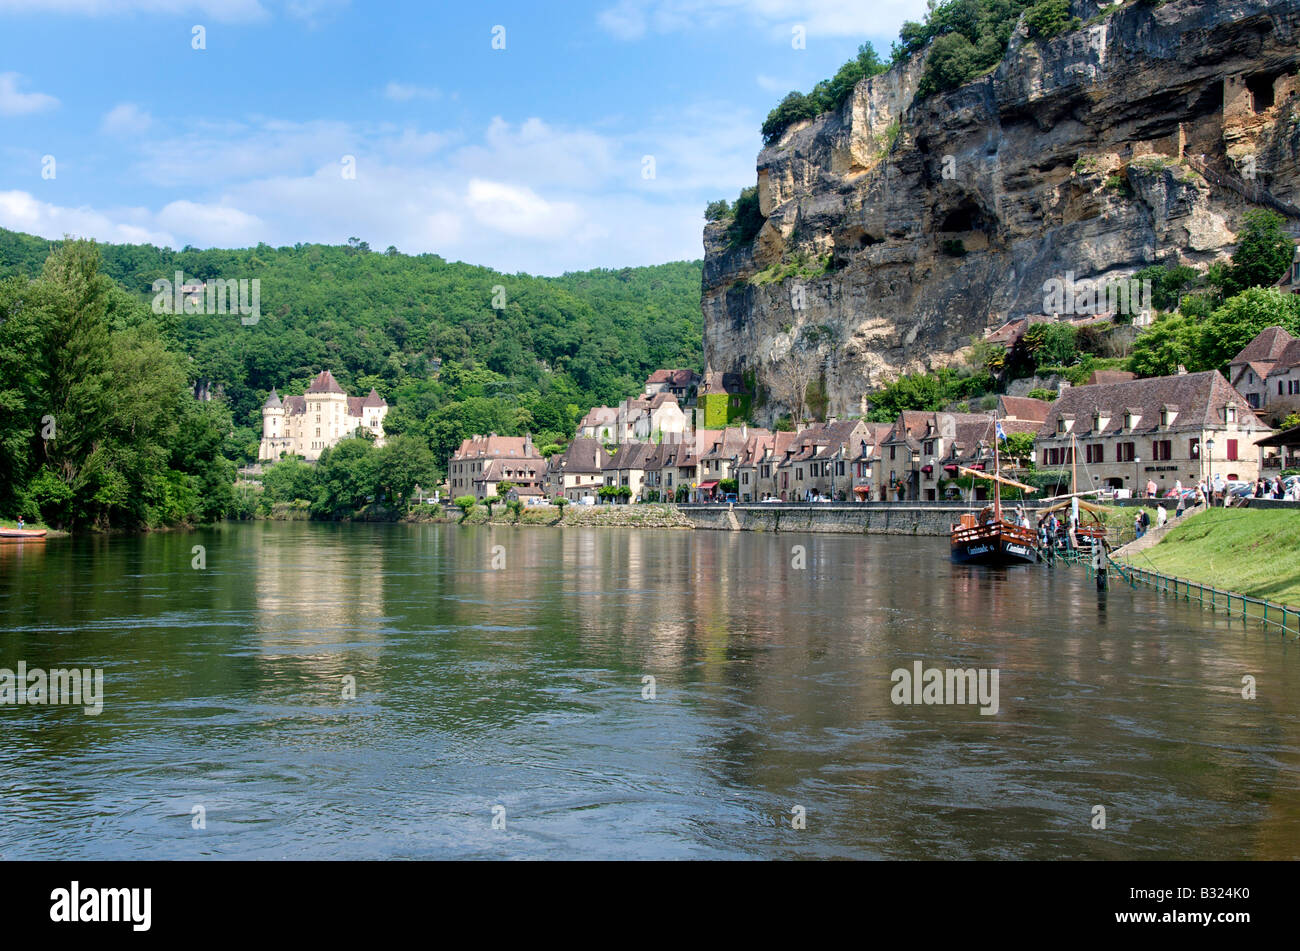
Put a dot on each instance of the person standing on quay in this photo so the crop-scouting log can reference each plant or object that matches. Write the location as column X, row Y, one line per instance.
column 1137, row 525
column 1161, row 516
column 1182, row 504
column 1151, row 488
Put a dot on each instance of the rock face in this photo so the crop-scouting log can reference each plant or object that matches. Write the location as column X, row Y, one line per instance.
column 899, row 229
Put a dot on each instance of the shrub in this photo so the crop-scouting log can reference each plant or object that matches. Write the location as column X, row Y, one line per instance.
column 465, row 503
column 1040, row 393
column 954, row 248
column 1049, row 18
column 747, row 218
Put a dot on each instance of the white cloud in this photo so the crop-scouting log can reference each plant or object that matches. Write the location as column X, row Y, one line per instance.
column 126, row 119
column 15, row 103
column 527, row 195
column 20, row 211
column 221, row 10
column 632, row 19
column 218, row 224
column 405, row 92
column 520, row 212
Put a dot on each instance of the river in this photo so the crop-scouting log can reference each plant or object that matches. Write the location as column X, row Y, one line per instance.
column 502, row 709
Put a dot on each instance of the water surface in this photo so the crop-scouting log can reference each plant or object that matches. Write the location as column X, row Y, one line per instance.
column 522, row 687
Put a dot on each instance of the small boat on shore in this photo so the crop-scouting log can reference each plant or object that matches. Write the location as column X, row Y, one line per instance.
column 11, row 535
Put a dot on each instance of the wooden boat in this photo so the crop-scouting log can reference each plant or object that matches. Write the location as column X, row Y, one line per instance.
column 10, row 535
column 989, row 539
column 1084, row 533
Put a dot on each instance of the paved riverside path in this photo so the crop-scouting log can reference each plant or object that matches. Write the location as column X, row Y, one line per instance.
column 1154, row 534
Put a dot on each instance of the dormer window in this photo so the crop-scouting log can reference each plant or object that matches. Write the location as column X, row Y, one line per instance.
column 1230, row 412
column 1167, row 416
column 1131, row 419
column 1060, row 427
column 1064, row 424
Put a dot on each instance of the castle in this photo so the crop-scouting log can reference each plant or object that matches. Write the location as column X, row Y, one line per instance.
column 307, row 425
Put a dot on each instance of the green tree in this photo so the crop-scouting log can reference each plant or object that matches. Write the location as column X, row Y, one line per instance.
column 1171, row 341
column 1227, row 331
column 1264, row 252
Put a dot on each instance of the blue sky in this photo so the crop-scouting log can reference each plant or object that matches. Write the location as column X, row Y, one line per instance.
column 527, row 158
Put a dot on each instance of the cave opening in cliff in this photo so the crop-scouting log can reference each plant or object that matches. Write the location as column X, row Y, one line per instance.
column 1261, row 89
column 965, row 218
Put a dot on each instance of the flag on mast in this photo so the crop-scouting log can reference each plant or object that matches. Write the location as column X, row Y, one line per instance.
column 1001, row 435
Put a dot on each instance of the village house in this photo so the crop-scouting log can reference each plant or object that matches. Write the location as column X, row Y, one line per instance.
column 723, row 457
column 680, row 384
column 1165, row 430
column 662, row 420
column 307, row 425
column 816, row 463
column 661, row 472
column 757, row 473
column 601, row 423
column 578, row 472
column 627, row 468
column 481, row 463
column 1267, row 371
column 865, row 464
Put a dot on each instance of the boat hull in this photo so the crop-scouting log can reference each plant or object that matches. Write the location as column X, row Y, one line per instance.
column 13, row 535
column 992, row 545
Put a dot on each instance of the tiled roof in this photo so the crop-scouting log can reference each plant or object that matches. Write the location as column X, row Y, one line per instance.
column 1022, row 407
column 1267, row 346
column 582, row 455
column 494, row 446
column 1110, row 376
column 673, row 377
column 374, row 399
column 273, row 401
column 1286, row 361
column 1200, row 399
column 324, row 383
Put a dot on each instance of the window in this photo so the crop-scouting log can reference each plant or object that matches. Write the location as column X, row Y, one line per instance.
column 928, row 448
column 1060, row 426
column 1194, row 448
column 1095, row 453
column 1232, row 450
column 1231, row 413
column 894, row 449
column 1162, row 450
column 1125, row 452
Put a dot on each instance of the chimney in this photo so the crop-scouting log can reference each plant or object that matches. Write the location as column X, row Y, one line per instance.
column 1182, row 370
column 528, row 444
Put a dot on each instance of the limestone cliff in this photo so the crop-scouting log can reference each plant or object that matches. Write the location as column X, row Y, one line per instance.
column 1143, row 136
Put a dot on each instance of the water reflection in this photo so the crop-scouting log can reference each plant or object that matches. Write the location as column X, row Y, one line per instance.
column 521, row 685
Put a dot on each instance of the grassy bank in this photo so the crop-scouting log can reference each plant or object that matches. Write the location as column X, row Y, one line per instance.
column 1251, row 553
column 52, row 532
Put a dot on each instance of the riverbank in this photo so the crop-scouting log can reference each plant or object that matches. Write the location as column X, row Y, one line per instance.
column 39, row 526
column 1239, row 550
column 652, row 515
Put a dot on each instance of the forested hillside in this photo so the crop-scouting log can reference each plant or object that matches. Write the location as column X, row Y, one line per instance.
column 423, row 331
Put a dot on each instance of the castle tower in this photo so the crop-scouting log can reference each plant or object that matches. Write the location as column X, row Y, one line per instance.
column 275, row 437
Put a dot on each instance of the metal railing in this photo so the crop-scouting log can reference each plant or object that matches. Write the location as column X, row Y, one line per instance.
column 1239, row 606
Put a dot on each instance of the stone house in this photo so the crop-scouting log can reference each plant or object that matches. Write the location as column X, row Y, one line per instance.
column 1267, row 371
column 578, row 472
column 481, row 463
column 1165, row 429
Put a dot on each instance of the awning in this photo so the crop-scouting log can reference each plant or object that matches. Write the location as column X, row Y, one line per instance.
column 862, row 489
column 927, row 469
column 950, row 468
column 708, row 485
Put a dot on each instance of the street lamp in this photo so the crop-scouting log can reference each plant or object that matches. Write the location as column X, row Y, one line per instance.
column 1209, row 463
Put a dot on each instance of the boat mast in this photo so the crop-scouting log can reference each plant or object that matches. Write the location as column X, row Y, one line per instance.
column 997, row 473
column 1074, row 466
